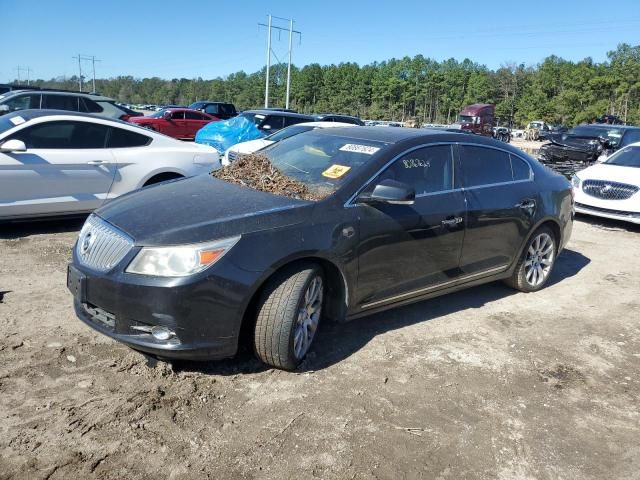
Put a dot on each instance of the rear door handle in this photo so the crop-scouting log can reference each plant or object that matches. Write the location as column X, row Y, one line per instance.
column 97, row 162
column 448, row 222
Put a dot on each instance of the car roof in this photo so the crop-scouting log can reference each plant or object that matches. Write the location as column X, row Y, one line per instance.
column 277, row 112
column 31, row 114
column 386, row 135
column 92, row 96
column 607, row 125
column 211, row 101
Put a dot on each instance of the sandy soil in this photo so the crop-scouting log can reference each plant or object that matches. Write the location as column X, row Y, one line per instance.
column 486, row 384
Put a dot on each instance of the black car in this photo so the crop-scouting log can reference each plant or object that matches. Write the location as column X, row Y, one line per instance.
column 585, row 143
column 333, row 117
column 270, row 121
column 180, row 269
column 222, row 110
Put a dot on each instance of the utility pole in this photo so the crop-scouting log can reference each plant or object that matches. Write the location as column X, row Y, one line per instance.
column 24, row 69
column 289, row 67
column 93, row 60
column 270, row 51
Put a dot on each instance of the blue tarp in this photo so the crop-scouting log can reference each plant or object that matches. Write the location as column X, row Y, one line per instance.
column 225, row 133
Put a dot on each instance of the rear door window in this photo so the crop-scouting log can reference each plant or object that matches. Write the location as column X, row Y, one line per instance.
column 177, row 115
column 60, row 102
column 192, row 116
column 484, row 166
column 276, row 122
column 89, row 106
column 293, row 120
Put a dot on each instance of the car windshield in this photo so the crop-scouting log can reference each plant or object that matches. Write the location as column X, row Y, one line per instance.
column 158, row 114
column 196, row 105
column 465, row 119
column 627, row 157
column 288, row 132
column 253, row 117
column 321, row 162
column 612, row 134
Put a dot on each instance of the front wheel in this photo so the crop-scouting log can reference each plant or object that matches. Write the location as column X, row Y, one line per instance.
column 536, row 264
column 289, row 312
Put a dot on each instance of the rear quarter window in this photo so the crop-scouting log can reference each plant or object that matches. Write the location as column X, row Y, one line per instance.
column 484, row 166
column 121, row 138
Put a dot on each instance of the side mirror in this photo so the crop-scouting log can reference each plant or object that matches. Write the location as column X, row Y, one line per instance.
column 390, row 191
column 4, row 109
column 13, row 146
column 166, row 115
column 266, row 127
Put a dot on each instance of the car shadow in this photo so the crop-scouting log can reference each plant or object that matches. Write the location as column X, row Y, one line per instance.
column 21, row 229
column 339, row 340
column 608, row 224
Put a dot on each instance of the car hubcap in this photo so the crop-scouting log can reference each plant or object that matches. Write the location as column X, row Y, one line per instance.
column 539, row 259
column 308, row 317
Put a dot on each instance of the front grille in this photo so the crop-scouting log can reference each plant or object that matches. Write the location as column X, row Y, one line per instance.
column 608, row 190
column 620, row 213
column 100, row 245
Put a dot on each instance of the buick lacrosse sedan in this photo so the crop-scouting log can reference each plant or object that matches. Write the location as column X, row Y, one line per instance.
column 179, row 270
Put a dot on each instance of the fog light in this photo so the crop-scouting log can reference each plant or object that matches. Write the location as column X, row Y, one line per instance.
column 161, row 333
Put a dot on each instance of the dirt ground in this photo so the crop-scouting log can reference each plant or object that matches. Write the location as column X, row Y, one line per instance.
column 483, row 384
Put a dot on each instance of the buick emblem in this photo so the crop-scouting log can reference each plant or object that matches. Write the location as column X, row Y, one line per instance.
column 606, row 189
column 87, row 243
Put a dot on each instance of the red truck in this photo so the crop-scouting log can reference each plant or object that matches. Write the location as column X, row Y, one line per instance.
column 480, row 119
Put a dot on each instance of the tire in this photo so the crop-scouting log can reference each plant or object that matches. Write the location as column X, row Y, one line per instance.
column 162, row 177
column 536, row 264
column 284, row 330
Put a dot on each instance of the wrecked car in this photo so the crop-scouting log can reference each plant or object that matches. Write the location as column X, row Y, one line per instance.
column 334, row 223
column 587, row 143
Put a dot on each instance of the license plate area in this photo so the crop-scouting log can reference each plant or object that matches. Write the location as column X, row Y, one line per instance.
column 76, row 283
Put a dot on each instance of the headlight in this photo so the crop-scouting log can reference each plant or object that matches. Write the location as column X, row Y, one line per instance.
column 179, row 260
column 575, row 182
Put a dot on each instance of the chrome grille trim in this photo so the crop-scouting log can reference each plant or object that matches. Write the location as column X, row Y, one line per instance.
column 232, row 155
column 608, row 190
column 101, row 246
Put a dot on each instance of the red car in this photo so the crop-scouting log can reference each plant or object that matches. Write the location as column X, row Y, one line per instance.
column 182, row 123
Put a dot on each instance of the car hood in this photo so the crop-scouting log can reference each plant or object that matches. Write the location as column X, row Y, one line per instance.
column 612, row 173
column 569, row 141
column 251, row 146
column 200, row 209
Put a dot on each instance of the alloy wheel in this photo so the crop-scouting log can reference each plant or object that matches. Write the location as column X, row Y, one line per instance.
column 308, row 317
column 540, row 258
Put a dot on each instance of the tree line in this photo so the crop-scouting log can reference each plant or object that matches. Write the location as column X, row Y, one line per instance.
column 418, row 88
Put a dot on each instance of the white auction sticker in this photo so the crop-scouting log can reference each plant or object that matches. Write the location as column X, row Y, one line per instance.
column 366, row 149
column 17, row 120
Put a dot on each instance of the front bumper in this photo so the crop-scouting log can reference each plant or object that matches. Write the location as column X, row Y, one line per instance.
column 204, row 313
column 625, row 216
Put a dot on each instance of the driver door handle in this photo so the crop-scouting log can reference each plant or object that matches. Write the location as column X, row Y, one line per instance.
column 98, row 162
column 526, row 204
column 448, row 222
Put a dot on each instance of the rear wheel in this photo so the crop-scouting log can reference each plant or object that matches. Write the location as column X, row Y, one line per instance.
column 537, row 261
column 289, row 312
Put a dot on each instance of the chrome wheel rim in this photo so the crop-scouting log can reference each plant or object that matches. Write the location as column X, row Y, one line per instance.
column 308, row 317
column 539, row 261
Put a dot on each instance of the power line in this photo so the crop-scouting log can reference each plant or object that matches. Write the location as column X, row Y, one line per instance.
column 270, row 52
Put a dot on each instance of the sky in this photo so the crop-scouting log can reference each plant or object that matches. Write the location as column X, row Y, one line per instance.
column 212, row 38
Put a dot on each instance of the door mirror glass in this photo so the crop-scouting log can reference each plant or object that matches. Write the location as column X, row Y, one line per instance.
column 13, row 146
column 266, row 127
column 166, row 115
column 390, row 191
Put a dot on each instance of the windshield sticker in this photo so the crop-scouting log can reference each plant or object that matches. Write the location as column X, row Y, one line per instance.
column 17, row 120
column 366, row 149
column 335, row 171
column 416, row 163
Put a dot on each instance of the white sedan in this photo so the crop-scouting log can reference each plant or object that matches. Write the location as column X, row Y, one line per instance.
column 55, row 163
column 611, row 189
column 252, row 146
